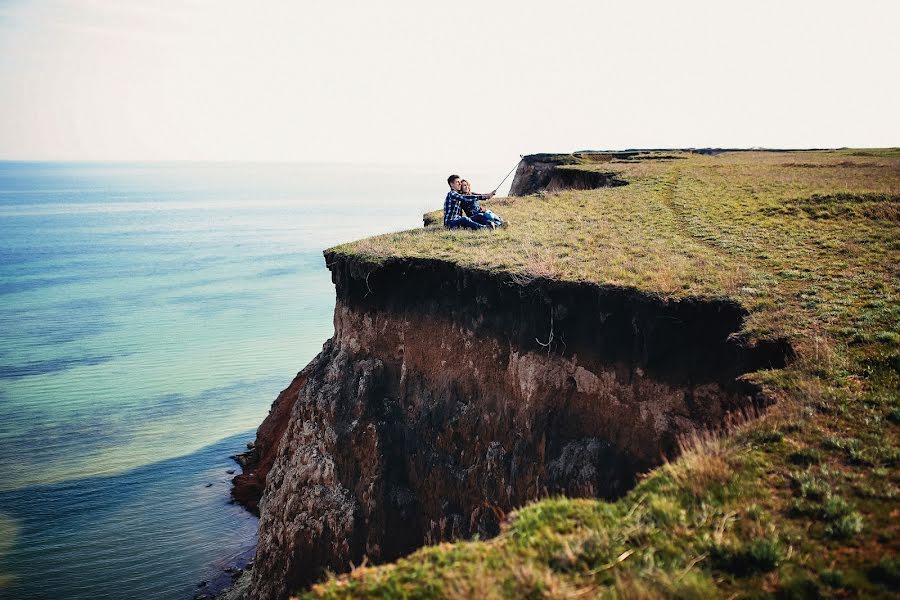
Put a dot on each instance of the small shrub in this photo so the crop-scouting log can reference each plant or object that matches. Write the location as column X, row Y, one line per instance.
column 890, row 456
column 793, row 426
column 834, row 508
column 805, row 457
column 766, row 436
column 888, row 337
column 754, row 512
column 832, row 578
column 803, row 508
column 702, row 465
column 893, row 416
column 835, row 442
column 886, row 572
column 842, row 522
column 527, row 581
column 759, row 556
column 595, row 551
column 860, row 456
column 665, row 512
column 632, row 588
column 809, row 486
column 695, row 585
column 764, row 554
column 799, row 588
column 582, row 554
column 845, row 527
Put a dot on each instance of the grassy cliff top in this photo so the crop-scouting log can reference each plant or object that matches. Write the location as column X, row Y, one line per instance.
column 755, row 226
column 801, row 503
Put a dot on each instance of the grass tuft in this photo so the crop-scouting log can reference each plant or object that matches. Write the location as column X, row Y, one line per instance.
column 702, row 466
column 886, row 572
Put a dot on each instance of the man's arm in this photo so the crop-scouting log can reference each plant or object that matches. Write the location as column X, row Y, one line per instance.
column 458, row 197
column 469, row 197
column 469, row 204
column 464, row 200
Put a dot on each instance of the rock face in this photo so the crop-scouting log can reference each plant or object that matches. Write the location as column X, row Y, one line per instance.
column 248, row 487
column 548, row 172
column 448, row 397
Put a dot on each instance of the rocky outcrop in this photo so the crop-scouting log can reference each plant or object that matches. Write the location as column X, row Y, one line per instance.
column 448, row 397
column 553, row 172
column 247, row 488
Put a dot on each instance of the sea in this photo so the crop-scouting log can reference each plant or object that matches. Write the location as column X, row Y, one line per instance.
column 149, row 315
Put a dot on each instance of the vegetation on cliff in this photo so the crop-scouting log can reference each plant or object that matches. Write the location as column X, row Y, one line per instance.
column 799, row 503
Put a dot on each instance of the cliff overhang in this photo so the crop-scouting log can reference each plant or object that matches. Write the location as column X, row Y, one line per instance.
column 450, row 396
column 554, row 172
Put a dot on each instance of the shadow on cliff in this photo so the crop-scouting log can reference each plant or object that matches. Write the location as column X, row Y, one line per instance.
column 553, row 172
column 449, row 397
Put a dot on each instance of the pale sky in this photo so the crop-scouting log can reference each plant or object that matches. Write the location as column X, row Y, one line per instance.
column 440, row 82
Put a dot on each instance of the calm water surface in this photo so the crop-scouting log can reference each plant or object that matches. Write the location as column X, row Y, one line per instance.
column 149, row 315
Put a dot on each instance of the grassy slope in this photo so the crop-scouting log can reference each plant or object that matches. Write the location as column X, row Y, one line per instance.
column 800, row 502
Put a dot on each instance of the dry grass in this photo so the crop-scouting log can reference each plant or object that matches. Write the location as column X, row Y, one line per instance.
column 702, row 463
column 725, row 225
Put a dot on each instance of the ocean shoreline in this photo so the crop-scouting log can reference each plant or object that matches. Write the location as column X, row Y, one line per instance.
column 231, row 582
column 203, row 473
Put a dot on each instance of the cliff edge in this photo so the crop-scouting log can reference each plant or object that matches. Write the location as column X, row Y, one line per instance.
column 626, row 317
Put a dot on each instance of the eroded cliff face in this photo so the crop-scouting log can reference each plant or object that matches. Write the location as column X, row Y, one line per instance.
column 547, row 173
column 248, row 487
column 448, row 397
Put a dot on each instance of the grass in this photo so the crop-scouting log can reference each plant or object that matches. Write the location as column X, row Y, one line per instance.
column 800, row 503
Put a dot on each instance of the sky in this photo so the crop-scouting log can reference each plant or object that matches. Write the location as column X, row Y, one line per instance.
column 480, row 82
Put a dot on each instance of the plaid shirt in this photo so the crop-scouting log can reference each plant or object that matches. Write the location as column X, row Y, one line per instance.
column 455, row 202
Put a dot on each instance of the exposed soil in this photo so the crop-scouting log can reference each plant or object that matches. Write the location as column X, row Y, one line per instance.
column 540, row 172
column 448, row 397
column 248, row 486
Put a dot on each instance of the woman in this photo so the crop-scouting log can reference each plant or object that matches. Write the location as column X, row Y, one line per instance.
column 475, row 212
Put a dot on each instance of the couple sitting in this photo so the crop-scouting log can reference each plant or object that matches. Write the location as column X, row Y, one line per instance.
column 461, row 199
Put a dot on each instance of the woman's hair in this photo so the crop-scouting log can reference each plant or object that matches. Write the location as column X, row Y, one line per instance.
column 464, row 182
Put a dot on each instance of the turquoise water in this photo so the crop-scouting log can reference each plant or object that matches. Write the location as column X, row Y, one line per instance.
column 149, row 315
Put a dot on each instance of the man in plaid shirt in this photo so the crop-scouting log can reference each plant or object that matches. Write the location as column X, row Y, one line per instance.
column 453, row 206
